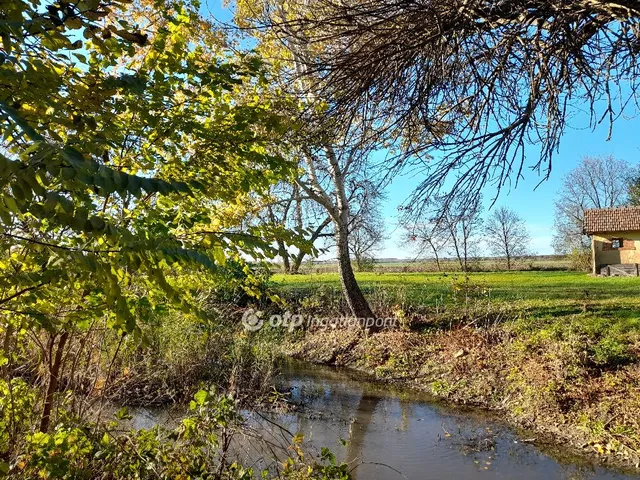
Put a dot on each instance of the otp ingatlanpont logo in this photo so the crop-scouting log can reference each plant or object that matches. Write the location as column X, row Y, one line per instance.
column 252, row 320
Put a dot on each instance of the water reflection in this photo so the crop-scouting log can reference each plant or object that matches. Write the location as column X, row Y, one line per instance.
column 389, row 434
column 397, row 434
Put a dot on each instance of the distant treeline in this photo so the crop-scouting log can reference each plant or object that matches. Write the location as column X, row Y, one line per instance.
column 480, row 264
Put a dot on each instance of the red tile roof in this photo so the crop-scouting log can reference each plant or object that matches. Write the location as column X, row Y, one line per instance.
column 603, row 220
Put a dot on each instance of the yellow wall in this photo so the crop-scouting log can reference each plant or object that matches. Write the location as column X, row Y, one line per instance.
column 630, row 253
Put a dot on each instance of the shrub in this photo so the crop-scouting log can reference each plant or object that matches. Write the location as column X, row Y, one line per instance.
column 366, row 264
column 232, row 287
column 198, row 448
column 580, row 259
column 178, row 351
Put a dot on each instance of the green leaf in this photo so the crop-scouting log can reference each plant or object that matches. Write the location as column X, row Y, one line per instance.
column 97, row 223
column 18, row 193
column 123, row 414
column 51, row 201
column 5, row 216
column 6, row 42
column 121, row 182
column 68, row 173
column 80, row 218
column 11, row 204
column 149, row 185
column 66, row 204
column 201, row 397
column 31, row 179
column 26, row 189
column 134, row 185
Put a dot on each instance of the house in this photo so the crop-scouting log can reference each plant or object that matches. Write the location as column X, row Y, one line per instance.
column 615, row 240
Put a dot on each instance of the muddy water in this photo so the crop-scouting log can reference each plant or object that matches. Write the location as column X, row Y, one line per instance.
column 395, row 434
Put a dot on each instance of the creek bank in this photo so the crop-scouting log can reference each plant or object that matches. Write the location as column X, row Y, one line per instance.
column 546, row 388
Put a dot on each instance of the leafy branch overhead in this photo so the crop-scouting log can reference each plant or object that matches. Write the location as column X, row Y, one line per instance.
column 133, row 143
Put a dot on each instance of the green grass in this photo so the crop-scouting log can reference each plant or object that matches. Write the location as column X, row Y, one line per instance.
column 535, row 263
column 523, row 285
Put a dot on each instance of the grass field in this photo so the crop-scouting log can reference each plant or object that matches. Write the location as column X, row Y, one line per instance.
column 427, row 288
column 536, row 300
column 506, row 285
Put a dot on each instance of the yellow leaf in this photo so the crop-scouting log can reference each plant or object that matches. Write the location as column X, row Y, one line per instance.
column 74, row 23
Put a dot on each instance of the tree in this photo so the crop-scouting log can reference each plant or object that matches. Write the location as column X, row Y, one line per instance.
column 334, row 155
column 287, row 207
column 633, row 192
column 597, row 182
column 331, row 179
column 506, row 234
column 428, row 235
column 443, row 224
column 130, row 149
column 367, row 230
column 464, row 224
column 475, row 79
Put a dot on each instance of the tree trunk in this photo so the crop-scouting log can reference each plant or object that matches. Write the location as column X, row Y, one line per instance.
column 355, row 299
column 456, row 247
column 52, row 387
column 282, row 251
column 435, row 254
column 297, row 261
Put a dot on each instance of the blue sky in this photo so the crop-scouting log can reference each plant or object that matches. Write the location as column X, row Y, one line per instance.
column 534, row 205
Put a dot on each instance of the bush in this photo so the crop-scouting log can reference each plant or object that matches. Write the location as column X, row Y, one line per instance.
column 232, row 287
column 580, row 259
column 17, row 413
column 178, row 351
column 366, row 264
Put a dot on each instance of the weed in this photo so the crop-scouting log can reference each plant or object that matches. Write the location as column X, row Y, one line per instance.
column 610, row 352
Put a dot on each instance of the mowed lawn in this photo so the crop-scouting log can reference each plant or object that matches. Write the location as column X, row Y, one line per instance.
column 520, row 285
column 535, row 297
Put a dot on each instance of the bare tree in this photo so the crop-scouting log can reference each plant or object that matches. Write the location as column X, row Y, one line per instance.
column 331, row 175
column 465, row 224
column 288, row 207
column 476, row 79
column 597, row 182
column 429, row 236
column 367, row 230
column 450, row 225
column 507, row 235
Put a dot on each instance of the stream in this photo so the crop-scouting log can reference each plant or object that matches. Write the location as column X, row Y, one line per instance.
column 393, row 433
